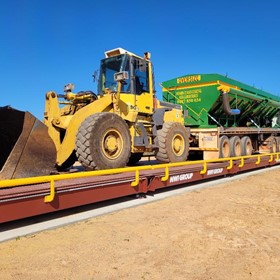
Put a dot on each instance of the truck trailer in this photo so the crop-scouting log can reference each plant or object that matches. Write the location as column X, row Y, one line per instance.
column 226, row 118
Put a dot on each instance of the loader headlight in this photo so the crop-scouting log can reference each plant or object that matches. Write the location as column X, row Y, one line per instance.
column 69, row 88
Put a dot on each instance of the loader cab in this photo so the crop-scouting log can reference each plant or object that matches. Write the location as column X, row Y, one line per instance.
column 138, row 86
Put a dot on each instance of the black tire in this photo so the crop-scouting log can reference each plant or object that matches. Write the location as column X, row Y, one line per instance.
column 278, row 144
column 173, row 143
column 68, row 163
column 273, row 145
column 235, row 146
column 246, row 146
column 103, row 142
column 134, row 158
column 224, row 147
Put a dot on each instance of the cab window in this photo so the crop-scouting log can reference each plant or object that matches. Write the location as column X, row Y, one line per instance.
column 141, row 77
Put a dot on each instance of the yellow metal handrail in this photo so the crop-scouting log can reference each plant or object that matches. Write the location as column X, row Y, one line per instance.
column 166, row 176
column 136, row 182
column 204, row 170
column 258, row 160
column 52, row 178
column 230, row 164
column 50, row 197
column 241, row 164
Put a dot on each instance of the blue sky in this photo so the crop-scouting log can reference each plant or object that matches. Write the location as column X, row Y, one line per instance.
column 46, row 44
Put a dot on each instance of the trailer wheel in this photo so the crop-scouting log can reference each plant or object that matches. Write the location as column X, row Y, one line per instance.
column 246, row 146
column 278, row 144
column 173, row 143
column 224, row 148
column 235, row 146
column 273, row 145
column 103, row 141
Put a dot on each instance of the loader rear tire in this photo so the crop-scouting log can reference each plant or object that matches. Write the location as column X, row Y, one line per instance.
column 173, row 143
column 103, row 142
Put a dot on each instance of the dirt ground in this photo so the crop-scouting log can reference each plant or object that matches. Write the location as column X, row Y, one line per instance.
column 230, row 231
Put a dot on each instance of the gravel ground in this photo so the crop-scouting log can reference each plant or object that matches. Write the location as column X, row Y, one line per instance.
column 230, row 231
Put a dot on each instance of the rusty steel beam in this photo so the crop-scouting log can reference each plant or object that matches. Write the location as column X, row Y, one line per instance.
column 26, row 201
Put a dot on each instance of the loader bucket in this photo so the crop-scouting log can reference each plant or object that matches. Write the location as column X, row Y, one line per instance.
column 26, row 150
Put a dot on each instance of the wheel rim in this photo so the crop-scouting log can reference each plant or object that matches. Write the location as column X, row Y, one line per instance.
column 225, row 149
column 237, row 148
column 274, row 146
column 248, row 148
column 178, row 144
column 112, row 144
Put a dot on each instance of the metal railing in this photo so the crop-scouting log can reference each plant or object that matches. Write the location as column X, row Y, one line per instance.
column 54, row 178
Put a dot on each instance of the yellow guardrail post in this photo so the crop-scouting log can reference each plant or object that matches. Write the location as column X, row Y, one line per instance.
column 241, row 164
column 271, row 158
column 204, row 170
column 259, row 160
column 50, row 197
column 136, row 182
column 230, row 164
column 166, row 176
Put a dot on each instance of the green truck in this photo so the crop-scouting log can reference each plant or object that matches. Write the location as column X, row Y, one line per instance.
column 226, row 118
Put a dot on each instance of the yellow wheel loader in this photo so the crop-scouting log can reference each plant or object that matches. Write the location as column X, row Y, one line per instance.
column 108, row 130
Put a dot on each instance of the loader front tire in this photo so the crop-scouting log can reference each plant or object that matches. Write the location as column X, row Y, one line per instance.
column 68, row 163
column 173, row 143
column 103, row 142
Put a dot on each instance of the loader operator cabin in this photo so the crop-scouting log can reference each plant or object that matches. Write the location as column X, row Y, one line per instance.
column 116, row 64
column 207, row 114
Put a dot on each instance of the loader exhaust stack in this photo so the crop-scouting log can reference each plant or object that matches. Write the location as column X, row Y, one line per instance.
column 26, row 150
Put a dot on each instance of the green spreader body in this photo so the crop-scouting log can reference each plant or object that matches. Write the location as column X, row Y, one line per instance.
column 212, row 100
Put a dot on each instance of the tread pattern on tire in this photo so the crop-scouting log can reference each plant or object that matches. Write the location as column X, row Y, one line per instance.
column 164, row 153
column 224, row 140
column 245, row 149
column 87, row 154
column 234, row 142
